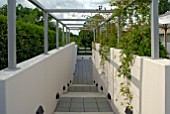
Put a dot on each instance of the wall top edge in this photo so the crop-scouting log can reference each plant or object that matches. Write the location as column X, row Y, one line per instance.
column 6, row 73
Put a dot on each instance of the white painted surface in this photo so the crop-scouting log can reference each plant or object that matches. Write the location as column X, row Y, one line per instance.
column 168, row 47
column 83, row 94
column 150, row 84
column 84, row 113
column 37, row 81
column 165, row 18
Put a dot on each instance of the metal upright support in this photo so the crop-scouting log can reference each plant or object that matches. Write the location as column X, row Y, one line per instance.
column 100, row 31
column 66, row 36
column 154, row 30
column 63, row 36
column 69, row 36
column 119, row 30
column 106, row 29
column 57, row 34
column 45, row 33
column 94, row 35
column 12, row 34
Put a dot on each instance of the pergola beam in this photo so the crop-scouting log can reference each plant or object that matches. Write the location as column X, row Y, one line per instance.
column 40, row 6
column 78, row 24
column 77, row 11
column 78, row 20
column 111, row 17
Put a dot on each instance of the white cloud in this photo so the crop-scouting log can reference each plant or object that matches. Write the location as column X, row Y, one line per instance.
column 67, row 4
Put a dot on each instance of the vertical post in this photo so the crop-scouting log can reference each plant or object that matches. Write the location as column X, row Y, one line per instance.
column 118, row 31
column 165, row 35
column 106, row 29
column 100, row 33
column 154, row 30
column 94, row 35
column 57, row 38
column 63, row 36
column 12, row 34
column 66, row 36
column 45, row 33
column 69, row 36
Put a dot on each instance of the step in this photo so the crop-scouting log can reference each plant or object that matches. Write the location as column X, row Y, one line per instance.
column 82, row 94
column 83, row 104
column 84, row 113
column 82, row 88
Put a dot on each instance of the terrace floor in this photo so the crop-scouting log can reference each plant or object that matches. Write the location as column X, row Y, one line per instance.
column 83, row 96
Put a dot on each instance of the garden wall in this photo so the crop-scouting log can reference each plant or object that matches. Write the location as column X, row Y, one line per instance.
column 150, row 83
column 37, row 81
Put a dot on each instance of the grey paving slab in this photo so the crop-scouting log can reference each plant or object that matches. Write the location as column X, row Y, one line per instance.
column 92, row 110
column 77, row 105
column 90, row 105
column 103, row 105
column 84, row 113
column 89, row 100
column 105, row 110
column 77, row 100
column 72, row 89
column 79, row 89
column 83, row 72
column 61, row 109
column 63, row 104
column 101, row 99
column 76, row 110
column 86, row 89
column 83, row 96
column 93, row 89
column 65, row 99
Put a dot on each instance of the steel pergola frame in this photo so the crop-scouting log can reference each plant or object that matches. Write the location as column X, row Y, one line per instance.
column 77, row 11
column 12, row 28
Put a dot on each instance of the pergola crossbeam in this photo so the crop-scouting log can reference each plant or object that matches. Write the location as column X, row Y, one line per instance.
column 77, row 11
column 78, row 20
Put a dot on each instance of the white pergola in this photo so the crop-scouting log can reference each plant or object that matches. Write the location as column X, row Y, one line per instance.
column 164, row 23
column 47, row 12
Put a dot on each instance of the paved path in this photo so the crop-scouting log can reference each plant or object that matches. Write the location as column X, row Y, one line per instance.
column 83, row 97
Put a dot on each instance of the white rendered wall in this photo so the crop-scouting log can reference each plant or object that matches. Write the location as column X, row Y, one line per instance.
column 37, row 81
column 150, row 83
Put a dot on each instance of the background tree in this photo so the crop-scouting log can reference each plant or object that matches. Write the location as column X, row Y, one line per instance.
column 164, row 6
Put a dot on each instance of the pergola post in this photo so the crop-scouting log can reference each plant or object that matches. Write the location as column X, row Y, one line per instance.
column 45, row 33
column 69, row 36
column 106, row 29
column 94, row 35
column 12, row 34
column 165, row 35
column 154, row 30
column 66, row 36
column 118, row 31
column 57, row 38
column 63, row 36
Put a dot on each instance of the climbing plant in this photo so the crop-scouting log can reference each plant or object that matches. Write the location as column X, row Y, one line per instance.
column 135, row 39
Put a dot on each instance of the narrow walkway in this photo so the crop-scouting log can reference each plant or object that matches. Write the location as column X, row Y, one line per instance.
column 83, row 97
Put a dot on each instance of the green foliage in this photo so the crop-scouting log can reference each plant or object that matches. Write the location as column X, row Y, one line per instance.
column 164, row 6
column 135, row 39
column 76, row 39
column 86, row 38
column 30, row 39
column 3, row 42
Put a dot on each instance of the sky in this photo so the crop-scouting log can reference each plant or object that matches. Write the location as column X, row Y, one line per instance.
column 67, row 4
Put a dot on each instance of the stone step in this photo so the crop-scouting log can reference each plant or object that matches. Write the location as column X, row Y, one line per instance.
column 83, row 104
column 82, row 94
column 83, row 85
column 84, row 113
column 82, row 88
